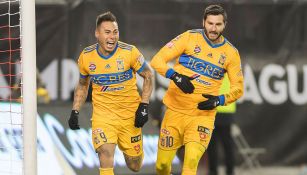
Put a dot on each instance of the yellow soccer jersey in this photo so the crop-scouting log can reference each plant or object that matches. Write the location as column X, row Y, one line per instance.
column 198, row 58
column 113, row 79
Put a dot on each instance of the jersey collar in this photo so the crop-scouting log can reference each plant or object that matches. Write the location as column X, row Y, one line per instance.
column 211, row 44
column 106, row 57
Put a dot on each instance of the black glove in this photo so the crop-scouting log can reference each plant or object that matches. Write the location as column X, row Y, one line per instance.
column 73, row 120
column 141, row 115
column 211, row 103
column 183, row 82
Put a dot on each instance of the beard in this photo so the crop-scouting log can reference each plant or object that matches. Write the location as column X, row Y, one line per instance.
column 215, row 39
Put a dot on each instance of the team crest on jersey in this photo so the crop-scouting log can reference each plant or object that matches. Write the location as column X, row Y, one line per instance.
column 222, row 59
column 107, row 66
column 92, row 67
column 120, row 64
column 197, row 49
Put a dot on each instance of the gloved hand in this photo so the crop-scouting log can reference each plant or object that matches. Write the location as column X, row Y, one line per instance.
column 211, row 103
column 73, row 120
column 183, row 82
column 141, row 115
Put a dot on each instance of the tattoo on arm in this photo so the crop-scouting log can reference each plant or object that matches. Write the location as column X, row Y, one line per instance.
column 80, row 93
column 147, row 85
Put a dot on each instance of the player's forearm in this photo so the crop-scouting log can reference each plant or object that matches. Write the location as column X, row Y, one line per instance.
column 235, row 93
column 159, row 63
column 80, row 95
column 147, row 85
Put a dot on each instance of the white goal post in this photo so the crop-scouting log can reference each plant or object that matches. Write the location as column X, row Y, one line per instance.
column 28, row 55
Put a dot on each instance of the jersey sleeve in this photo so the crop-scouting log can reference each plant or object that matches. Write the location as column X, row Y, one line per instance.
column 170, row 51
column 235, row 75
column 82, row 69
column 137, row 60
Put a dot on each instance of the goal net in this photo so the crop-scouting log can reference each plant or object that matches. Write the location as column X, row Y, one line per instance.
column 11, row 154
column 13, row 125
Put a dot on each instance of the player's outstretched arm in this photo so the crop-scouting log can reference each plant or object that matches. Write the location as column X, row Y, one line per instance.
column 80, row 93
column 79, row 99
column 141, row 115
column 147, row 85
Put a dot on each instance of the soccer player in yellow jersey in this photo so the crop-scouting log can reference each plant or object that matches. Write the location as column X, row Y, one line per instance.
column 118, row 110
column 202, row 56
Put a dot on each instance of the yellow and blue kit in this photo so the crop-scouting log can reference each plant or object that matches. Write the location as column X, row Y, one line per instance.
column 115, row 95
column 113, row 78
column 196, row 57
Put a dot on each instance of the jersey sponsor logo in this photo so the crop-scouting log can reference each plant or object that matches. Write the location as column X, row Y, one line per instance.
column 196, row 77
column 203, row 129
column 120, row 64
column 136, row 138
column 203, row 82
column 222, row 59
column 197, row 49
column 202, row 67
column 115, row 78
column 92, row 67
column 108, row 88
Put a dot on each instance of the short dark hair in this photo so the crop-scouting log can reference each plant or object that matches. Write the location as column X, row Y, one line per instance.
column 107, row 16
column 215, row 10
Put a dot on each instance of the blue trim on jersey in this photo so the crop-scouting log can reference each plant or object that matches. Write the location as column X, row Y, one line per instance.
column 211, row 44
column 202, row 67
column 115, row 78
column 83, row 76
column 169, row 73
column 142, row 68
column 222, row 100
column 106, row 57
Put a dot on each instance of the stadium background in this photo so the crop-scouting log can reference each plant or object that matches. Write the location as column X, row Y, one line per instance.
column 270, row 35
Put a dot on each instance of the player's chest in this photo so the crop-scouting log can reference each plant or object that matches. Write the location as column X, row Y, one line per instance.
column 216, row 56
column 114, row 64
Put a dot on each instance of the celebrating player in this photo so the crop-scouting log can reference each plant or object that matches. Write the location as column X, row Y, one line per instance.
column 118, row 110
column 203, row 56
